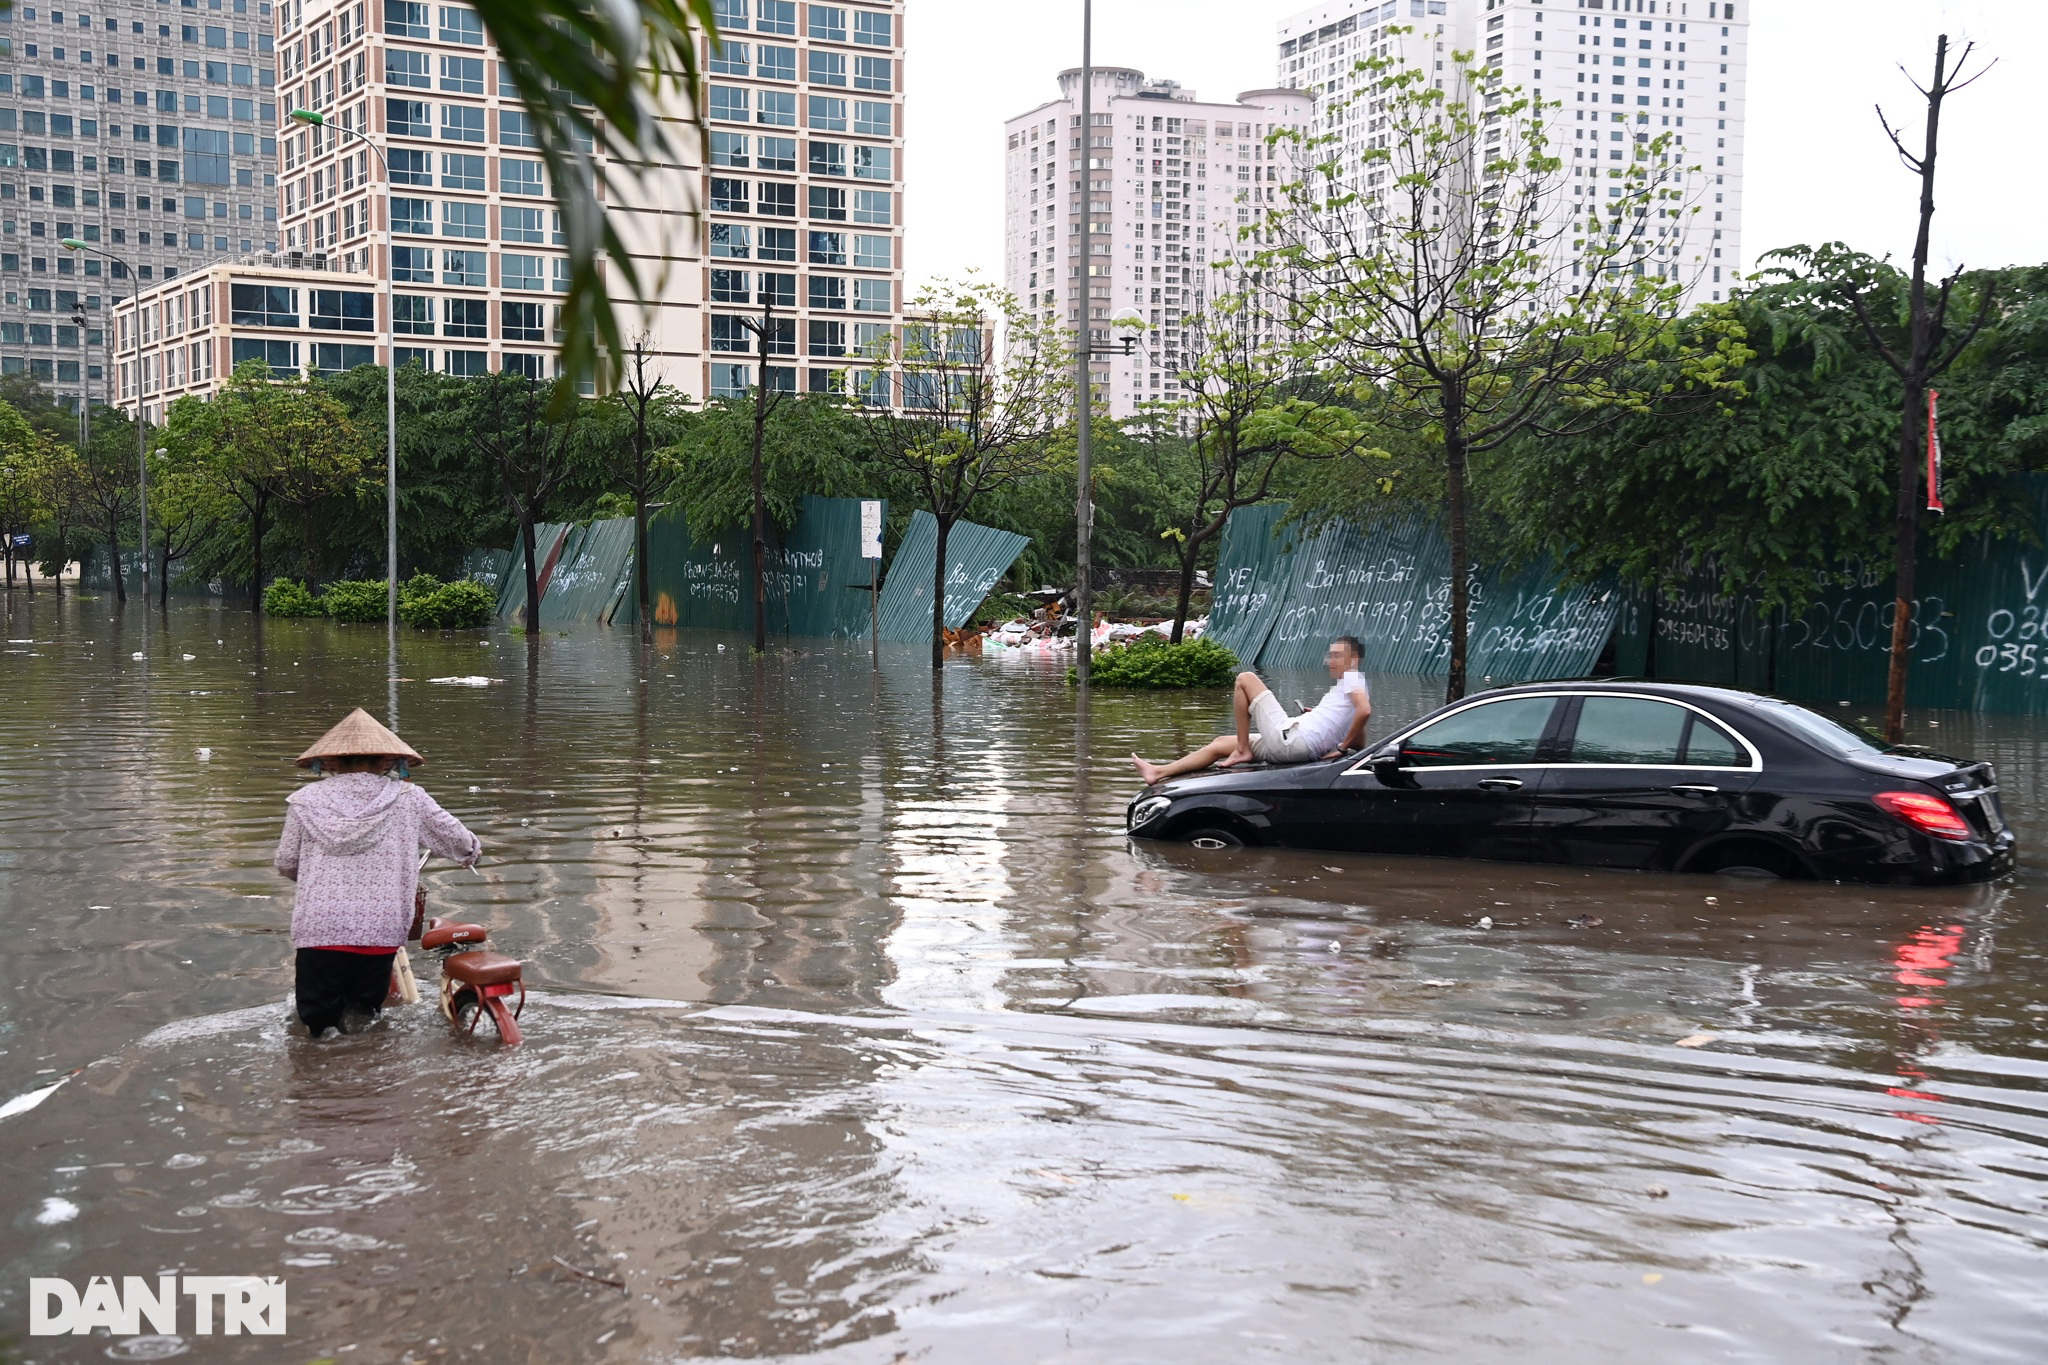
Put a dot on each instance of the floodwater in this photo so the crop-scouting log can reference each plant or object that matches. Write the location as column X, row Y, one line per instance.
column 862, row 1034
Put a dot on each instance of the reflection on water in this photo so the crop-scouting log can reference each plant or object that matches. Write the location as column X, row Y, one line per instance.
column 862, row 1032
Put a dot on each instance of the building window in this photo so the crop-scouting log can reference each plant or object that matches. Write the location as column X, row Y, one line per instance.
column 828, row 22
column 519, row 176
column 777, row 201
column 206, row 157
column 779, row 291
column 410, row 166
column 874, row 253
column 873, row 296
column 281, row 356
column 731, row 286
column 729, row 102
column 731, row 381
column 461, row 25
column 462, row 123
column 412, row 265
column 263, row 305
column 873, row 73
column 520, row 224
column 521, row 322
column 730, row 334
column 521, row 272
column 462, row 268
column 877, row 207
column 403, row 19
column 415, row 216
column 729, row 149
column 462, row 220
column 777, row 154
column 776, row 16
column 342, row 310
column 872, row 118
column 468, row 317
column 466, row 364
column 828, row 292
column 463, row 171
column 828, row 248
column 827, row 338
column 777, row 108
column 875, row 30
column 531, row 367
column 331, row 357
column 403, row 66
column 728, row 195
column 871, row 388
column 828, row 113
column 732, row 59
column 465, row 75
column 414, row 355
column 874, row 163
column 773, row 63
column 828, row 158
column 412, row 314
column 828, row 203
column 515, row 128
column 828, row 68
column 730, row 14
column 408, row 118
column 733, row 241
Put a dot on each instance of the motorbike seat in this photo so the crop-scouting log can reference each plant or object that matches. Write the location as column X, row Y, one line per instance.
column 481, row 968
column 442, row 933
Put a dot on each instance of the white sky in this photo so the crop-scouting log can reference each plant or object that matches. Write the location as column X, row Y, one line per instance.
column 1819, row 168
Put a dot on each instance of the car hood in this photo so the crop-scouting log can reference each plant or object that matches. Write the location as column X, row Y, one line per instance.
column 1254, row 777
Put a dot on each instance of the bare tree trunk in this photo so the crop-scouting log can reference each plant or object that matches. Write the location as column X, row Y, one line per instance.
column 114, row 556
column 163, row 582
column 640, row 563
column 760, row 503
column 256, row 523
column 1461, row 594
column 1189, row 551
column 945, row 531
column 526, row 542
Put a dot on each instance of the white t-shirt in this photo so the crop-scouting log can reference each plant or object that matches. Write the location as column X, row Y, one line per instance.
column 1322, row 729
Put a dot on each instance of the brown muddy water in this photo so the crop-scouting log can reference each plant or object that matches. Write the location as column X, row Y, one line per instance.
column 864, row 1035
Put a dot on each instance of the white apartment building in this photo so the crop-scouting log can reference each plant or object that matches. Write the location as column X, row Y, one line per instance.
column 1620, row 72
column 1169, row 182
column 802, row 175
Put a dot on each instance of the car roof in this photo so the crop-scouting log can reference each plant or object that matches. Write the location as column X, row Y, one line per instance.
column 1639, row 686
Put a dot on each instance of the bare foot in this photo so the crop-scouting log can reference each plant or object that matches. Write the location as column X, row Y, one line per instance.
column 1148, row 771
column 1236, row 757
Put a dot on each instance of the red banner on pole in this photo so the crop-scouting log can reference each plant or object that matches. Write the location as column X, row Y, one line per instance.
column 1933, row 454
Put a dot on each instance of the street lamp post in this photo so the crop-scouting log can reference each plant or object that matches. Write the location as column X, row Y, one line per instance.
column 141, row 428
column 1084, row 475
column 319, row 120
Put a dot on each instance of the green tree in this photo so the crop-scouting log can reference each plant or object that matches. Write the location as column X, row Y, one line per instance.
column 972, row 420
column 633, row 430
column 272, row 446
column 507, row 418
column 109, row 486
column 1435, row 279
column 24, row 487
column 187, row 507
column 64, row 510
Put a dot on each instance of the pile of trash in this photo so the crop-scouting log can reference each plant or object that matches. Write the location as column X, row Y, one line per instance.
column 1051, row 628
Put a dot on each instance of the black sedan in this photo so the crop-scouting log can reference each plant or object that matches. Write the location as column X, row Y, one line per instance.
column 1615, row 774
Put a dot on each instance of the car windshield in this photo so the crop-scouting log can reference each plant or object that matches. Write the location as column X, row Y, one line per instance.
column 1829, row 734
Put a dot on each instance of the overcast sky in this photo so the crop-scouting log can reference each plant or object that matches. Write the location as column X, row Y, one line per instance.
column 1819, row 168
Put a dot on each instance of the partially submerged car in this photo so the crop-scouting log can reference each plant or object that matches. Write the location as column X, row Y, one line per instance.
column 1615, row 774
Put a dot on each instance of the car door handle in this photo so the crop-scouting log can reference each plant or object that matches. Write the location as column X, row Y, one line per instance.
column 1500, row 784
column 1695, row 789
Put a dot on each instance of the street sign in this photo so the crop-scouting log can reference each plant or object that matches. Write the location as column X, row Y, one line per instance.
column 870, row 529
column 21, row 538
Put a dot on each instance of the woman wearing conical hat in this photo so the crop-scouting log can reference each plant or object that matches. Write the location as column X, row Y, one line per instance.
column 351, row 842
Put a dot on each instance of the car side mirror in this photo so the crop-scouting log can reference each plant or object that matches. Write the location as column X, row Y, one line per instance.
column 1386, row 765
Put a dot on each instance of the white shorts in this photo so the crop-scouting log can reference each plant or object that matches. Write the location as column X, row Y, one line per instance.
column 1274, row 739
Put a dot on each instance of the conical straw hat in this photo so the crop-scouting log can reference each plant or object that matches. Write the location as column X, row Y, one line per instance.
column 359, row 736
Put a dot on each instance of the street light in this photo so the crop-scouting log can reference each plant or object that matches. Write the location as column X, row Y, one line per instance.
column 317, row 119
column 1084, row 475
column 141, row 432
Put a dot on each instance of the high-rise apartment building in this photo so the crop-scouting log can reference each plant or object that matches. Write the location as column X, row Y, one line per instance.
column 1620, row 73
column 142, row 127
column 1134, row 225
column 791, row 212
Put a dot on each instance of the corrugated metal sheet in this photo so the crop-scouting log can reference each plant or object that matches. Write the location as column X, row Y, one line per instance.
column 487, row 567
column 812, row 586
column 694, row 586
column 711, row 587
column 1281, row 598
column 977, row 557
column 585, row 583
column 549, row 541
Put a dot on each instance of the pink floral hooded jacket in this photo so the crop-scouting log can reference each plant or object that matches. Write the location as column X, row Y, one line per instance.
column 352, row 842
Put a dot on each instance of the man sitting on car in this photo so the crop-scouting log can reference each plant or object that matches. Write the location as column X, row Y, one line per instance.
column 1336, row 723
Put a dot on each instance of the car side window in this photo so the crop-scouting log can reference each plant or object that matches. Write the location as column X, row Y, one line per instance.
column 1629, row 730
column 1505, row 731
column 1707, row 745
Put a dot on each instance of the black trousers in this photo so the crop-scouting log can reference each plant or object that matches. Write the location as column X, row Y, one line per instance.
column 332, row 986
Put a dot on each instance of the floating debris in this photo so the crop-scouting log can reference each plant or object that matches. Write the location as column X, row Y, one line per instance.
column 1696, row 1040
column 470, row 680
column 1486, row 921
column 21, row 1104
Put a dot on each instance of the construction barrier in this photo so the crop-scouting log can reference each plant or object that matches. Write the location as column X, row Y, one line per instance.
column 977, row 557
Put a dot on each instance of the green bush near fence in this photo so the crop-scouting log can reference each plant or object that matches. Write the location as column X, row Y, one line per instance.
column 1149, row 661
column 423, row 601
column 289, row 597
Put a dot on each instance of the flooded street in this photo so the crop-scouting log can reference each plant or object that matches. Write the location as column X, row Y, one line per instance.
column 863, row 1034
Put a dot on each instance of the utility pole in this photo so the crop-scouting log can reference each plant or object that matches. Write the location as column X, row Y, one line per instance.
column 763, row 405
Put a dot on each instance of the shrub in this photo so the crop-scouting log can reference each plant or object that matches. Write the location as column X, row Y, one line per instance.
column 419, row 585
column 357, row 601
column 1149, row 661
column 288, row 597
column 462, row 605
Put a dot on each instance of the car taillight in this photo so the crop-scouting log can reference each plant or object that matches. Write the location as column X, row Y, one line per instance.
column 1929, row 814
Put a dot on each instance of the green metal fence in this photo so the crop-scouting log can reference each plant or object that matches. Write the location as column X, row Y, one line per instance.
column 977, row 557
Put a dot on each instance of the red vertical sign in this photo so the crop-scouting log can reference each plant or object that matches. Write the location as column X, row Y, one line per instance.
column 1933, row 454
